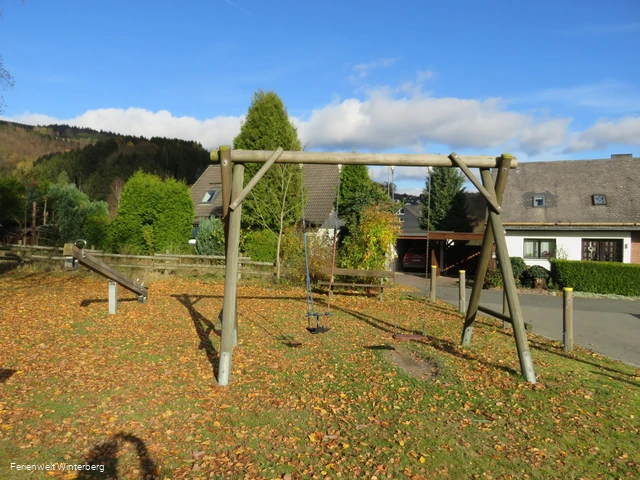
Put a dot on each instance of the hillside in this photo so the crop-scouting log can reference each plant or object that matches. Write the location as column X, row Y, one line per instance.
column 98, row 167
column 21, row 145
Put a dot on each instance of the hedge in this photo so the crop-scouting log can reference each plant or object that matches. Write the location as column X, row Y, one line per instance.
column 597, row 277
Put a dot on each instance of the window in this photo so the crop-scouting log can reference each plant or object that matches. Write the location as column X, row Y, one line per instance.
column 602, row 250
column 539, row 248
column 538, row 201
column 209, row 196
column 599, row 199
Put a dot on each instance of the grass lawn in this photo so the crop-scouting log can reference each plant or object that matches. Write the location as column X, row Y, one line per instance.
column 136, row 392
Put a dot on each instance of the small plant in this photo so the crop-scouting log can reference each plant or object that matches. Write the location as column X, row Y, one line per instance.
column 493, row 279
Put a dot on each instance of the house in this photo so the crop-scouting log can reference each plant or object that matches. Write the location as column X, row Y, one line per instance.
column 578, row 210
column 206, row 194
column 321, row 184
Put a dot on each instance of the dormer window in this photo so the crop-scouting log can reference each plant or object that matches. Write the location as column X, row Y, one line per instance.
column 538, row 201
column 599, row 199
column 209, row 196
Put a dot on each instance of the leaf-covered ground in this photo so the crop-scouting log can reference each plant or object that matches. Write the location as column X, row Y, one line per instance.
column 136, row 392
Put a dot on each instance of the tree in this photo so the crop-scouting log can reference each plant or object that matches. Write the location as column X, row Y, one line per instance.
column 77, row 216
column 12, row 194
column 371, row 245
column 357, row 192
column 6, row 80
column 447, row 203
column 275, row 202
column 154, row 215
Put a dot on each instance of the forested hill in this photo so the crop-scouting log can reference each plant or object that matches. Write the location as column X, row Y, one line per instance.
column 21, row 145
column 99, row 168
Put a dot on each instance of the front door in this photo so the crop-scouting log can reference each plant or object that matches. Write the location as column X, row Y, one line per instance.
column 602, row 250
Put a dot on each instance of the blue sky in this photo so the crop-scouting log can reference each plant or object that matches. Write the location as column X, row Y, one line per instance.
column 545, row 80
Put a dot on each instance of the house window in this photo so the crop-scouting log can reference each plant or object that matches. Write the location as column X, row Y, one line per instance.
column 209, row 196
column 539, row 248
column 599, row 199
column 538, row 201
column 602, row 250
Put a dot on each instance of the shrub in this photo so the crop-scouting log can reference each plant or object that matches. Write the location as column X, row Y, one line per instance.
column 210, row 238
column 597, row 277
column 153, row 215
column 518, row 266
column 261, row 245
column 493, row 279
column 319, row 254
column 534, row 275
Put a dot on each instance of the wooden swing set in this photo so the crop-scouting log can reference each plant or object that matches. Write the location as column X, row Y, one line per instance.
column 234, row 192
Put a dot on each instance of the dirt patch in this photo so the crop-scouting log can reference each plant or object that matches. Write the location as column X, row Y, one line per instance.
column 414, row 365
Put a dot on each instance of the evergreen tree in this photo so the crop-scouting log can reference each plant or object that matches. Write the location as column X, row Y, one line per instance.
column 447, row 205
column 275, row 202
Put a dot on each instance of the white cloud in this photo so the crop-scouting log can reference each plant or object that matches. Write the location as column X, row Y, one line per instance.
column 363, row 69
column 536, row 138
column 211, row 132
column 625, row 131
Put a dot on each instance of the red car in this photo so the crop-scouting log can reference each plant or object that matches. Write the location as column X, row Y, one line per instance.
column 415, row 258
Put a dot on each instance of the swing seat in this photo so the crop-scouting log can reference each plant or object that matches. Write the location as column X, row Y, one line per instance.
column 319, row 329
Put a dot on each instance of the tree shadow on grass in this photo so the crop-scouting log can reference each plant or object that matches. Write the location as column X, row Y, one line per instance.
column 457, row 351
column 611, row 377
column 560, row 352
column 104, row 458
column 5, row 374
column 203, row 327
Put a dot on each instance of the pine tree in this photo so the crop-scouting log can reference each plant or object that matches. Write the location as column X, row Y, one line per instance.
column 275, row 202
column 447, row 205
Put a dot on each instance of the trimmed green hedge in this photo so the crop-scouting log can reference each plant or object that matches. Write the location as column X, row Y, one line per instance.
column 597, row 277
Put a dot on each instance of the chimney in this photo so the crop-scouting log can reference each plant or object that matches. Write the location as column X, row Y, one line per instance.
column 621, row 156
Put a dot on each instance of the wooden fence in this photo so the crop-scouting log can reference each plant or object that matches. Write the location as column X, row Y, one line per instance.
column 26, row 254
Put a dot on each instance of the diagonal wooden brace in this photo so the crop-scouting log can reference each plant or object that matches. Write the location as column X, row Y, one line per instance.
column 491, row 200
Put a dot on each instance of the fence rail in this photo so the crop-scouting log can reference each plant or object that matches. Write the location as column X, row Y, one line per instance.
column 158, row 262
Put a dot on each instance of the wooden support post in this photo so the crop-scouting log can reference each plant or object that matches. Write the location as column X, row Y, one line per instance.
column 485, row 255
column 34, row 237
column 113, row 297
column 432, row 285
column 517, row 322
column 567, row 318
column 505, row 307
column 229, row 331
column 225, row 177
column 462, row 305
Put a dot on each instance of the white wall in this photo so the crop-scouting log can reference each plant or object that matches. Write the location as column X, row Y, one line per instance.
column 569, row 241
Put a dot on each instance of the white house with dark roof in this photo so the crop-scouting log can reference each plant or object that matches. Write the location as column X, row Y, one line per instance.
column 578, row 210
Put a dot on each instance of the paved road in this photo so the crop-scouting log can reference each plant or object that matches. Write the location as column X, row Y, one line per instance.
column 609, row 327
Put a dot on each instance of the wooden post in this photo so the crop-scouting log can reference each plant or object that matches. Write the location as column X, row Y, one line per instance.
column 517, row 321
column 44, row 215
column 229, row 332
column 567, row 318
column 462, row 306
column 432, row 295
column 225, row 177
column 505, row 306
column 34, row 238
column 485, row 255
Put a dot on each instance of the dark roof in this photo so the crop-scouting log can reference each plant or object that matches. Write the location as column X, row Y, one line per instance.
column 208, row 181
column 568, row 187
column 411, row 223
column 321, row 187
column 321, row 184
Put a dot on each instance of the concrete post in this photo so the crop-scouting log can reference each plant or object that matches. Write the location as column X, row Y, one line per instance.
column 432, row 295
column 113, row 297
column 567, row 318
column 463, row 281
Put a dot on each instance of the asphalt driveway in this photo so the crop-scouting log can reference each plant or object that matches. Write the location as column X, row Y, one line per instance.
column 609, row 327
